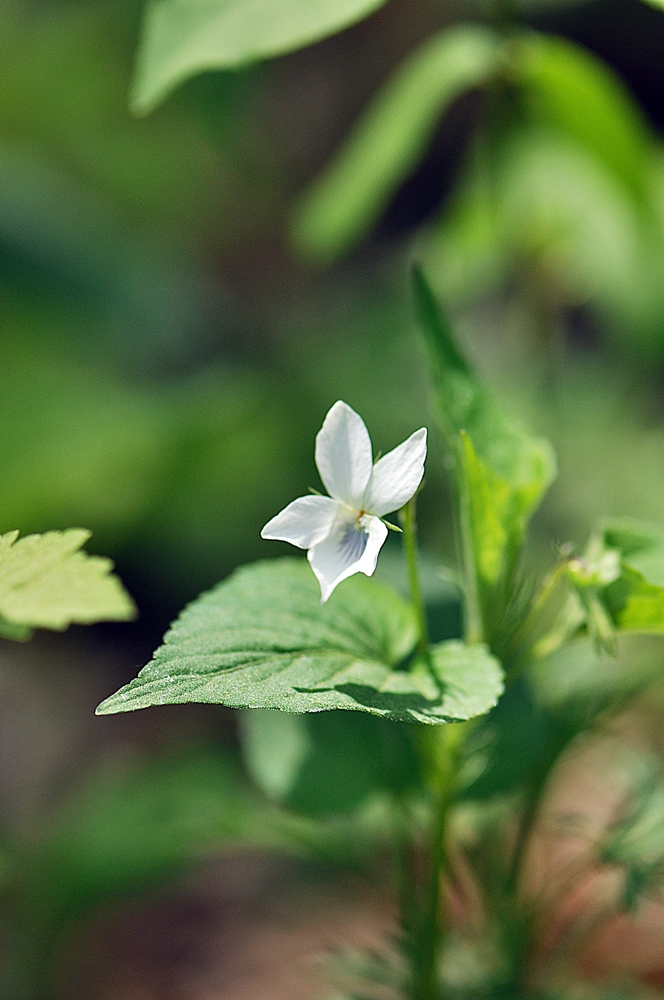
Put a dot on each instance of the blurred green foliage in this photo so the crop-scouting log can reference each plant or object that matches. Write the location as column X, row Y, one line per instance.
column 165, row 362
column 182, row 38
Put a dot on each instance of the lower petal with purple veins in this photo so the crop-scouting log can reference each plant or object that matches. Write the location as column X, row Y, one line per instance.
column 350, row 547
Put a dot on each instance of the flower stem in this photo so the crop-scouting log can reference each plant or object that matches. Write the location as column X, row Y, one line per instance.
column 409, row 524
column 473, row 618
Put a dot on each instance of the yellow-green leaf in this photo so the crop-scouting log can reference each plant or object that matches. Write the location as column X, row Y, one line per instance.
column 499, row 510
column 47, row 582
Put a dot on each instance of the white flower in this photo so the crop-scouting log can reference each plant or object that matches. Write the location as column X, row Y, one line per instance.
column 344, row 532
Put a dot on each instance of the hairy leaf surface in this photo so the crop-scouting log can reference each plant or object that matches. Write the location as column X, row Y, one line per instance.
column 261, row 639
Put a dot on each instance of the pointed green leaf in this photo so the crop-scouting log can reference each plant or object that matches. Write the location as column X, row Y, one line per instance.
column 499, row 510
column 46, row 582
column 182, row 38
column 391, row 137
column 261, row 639
column 502, row 472
column 463, row 404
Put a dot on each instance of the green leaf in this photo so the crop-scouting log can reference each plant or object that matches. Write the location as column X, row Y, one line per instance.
column 636, row 605
column 546, row 199
column 46, row 582
column 261, row 639
column 624, row 568
column 275, row 745
column 472, row 679
column 502, row 472
column 182, row 38
column 353, row 755
column 608, row 595
column 567, row 87
column 391, row 137
column 463, row 404
column 641, row 546
column 20, row 633
column 500, row 509
column 505, row 750
column 326, row 763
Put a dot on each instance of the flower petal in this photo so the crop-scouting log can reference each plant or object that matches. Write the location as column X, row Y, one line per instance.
column 351, row 547
column 304, row 522
column 343, row 454
column 396, row 476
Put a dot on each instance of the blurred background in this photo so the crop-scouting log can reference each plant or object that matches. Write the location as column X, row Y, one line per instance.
column 169, row 347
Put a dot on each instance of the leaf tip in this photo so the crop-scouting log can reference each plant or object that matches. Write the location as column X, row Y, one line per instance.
column 112, row 705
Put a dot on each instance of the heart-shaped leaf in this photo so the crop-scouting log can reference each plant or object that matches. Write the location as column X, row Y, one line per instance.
column 261, row 639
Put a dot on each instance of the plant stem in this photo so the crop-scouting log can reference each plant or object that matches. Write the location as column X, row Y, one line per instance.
column 440, row 747
column 409, row 524
column 473, row 628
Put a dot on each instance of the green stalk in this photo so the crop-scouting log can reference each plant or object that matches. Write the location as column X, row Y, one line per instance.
column 440, row 747
column 421, row 903
column 473, row 626
column 409, row 525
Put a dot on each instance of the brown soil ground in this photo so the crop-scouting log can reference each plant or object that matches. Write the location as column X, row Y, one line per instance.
column 246, row 928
